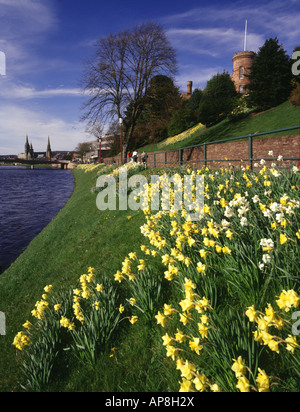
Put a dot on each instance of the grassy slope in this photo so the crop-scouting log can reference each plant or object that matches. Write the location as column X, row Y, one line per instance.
column 80, row 236
column 285, row 115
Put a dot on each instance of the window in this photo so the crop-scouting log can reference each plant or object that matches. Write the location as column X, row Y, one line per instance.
column 241, row 73
column 241, row 89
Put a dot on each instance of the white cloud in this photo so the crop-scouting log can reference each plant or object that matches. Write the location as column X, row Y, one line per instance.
column 265, row 19
column 212, row 41
column 16, row 122
column 12, row 91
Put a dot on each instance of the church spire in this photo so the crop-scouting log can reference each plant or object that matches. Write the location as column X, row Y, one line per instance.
column 48, row 153
column 27, row 148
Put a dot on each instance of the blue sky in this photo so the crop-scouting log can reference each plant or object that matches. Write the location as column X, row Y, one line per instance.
column 47, row 41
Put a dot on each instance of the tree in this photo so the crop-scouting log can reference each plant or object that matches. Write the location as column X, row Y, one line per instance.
column 271, row 76
column 187, row 115
column 82, row 149
column 120, row 73
column 162, row 98
column 218, row 100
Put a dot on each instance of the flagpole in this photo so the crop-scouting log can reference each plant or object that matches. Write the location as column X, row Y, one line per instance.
column 245, row 41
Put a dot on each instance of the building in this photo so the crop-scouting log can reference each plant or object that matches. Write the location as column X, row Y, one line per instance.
column 189, row 91
column 93, row 154
column 242, row 63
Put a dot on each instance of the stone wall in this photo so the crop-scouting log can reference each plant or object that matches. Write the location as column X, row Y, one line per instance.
column 234, row 152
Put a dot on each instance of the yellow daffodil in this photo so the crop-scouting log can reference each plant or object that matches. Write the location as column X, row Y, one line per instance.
column 263, row 381
column 238, row 367
column 161, row 319
column 133, row 319
column 283, row 239
column 243, row 384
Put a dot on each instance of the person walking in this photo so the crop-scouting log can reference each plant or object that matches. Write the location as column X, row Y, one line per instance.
column 144, row 158
column 135, row 156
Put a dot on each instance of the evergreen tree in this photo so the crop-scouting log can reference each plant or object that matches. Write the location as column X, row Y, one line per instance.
column 218, row 100
column 271, row 76
column 187, row 115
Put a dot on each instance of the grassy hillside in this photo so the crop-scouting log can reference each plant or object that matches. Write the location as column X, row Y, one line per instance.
column 285, row 115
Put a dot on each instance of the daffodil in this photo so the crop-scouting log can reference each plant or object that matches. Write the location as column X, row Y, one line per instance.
column 185, row 386
column 238, row 367
column 291, row 343
column 263, row 381
column 195, row 346
column 171, row 351
column 133, row 319
column 200, row 382
column 243, row 384
column 283, row 239
column 161, row 319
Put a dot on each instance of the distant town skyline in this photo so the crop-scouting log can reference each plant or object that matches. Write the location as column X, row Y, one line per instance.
column 47, row 42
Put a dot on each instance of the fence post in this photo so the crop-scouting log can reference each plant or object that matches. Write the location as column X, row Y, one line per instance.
column 250, row 145
column 180, row 156
column 205, row 154
column 154, row 159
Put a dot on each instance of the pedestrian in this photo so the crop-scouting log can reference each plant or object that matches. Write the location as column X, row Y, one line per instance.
column 130, row 156
column 135, row 156
column 144, row 158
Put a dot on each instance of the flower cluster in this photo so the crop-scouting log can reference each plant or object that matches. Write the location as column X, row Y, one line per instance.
column 240, row 370
column 193, row 315
column 248, row 235
column 21, row 340
column 271, row 319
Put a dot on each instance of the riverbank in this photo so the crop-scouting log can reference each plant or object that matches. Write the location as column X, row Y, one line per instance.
column 80, row 236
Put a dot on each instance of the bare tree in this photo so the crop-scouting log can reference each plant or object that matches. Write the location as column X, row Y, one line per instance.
column 117, row 77
column 95, row 129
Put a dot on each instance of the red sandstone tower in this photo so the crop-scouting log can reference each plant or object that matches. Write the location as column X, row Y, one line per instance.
column 242, row 63
column 189, row 91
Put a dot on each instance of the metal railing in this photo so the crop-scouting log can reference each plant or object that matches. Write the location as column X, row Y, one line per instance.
column 180, row 160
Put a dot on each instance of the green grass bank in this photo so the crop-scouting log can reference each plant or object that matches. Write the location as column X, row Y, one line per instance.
column 282, row 116
column 80, row 236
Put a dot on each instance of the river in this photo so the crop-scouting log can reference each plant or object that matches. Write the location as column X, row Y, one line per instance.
column 29, row 200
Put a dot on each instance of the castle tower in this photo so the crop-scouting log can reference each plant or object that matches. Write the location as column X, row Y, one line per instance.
column 189, row 88
column 242, row 63
column 189, row 91
column 48, row 152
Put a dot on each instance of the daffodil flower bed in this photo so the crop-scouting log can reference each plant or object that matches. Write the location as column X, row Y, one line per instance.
column 181, row 136
column 225, row 301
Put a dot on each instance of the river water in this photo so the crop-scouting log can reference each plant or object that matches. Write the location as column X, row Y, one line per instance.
column 29, row 200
